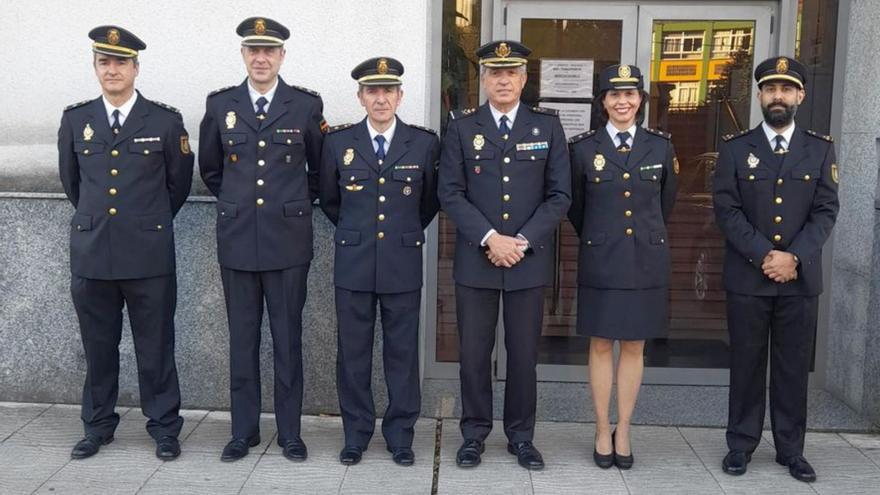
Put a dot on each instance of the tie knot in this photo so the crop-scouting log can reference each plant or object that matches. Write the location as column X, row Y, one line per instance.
column 504, row 119
column 779, row 148
column 380, row 140
column 623, row 137
column 261, row 104
column 116, row 114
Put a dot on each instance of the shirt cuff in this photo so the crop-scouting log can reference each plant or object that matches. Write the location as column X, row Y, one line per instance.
column 486, row 237
column 523, row 238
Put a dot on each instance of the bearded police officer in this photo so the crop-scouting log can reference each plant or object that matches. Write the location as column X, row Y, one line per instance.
column 126, row 166
column 505, row 182
column 259, row 151
column 776, row 202
column 378, row 186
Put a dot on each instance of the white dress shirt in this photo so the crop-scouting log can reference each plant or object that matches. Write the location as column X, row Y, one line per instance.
column 771, row 134
column 255, row 95
column 612, row 131
column 124, row 109
column 388, row 135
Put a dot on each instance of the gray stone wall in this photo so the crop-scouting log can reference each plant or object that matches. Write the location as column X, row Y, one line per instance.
column 41, row 356
column 854, row 334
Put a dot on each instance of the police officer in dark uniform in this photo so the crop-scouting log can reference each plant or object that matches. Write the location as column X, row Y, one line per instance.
column 623, row 189
column 776, row 202
column 378, row 186
column 126, row 166
column 505, row 182
column 259, row 153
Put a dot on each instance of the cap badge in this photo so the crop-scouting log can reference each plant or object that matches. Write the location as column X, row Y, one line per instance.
column 230, row 120
column 349, row 157
column 624, row 71
column 781, row 65
column 88, row 133
column 260, row 27
column 382, row 66
column 599, row 162
column 502, row 50
column 113, row 36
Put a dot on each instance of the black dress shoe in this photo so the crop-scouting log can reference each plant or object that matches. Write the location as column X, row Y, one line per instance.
column 351, row 455
column 403, row 456
column 621, row 461
column 238, row 448
column 604, row 461
column 167, row 448
column 736, row 462
column 798, row 467
column 526, row 455
column 295, row 449
column 469, row 453
column 89, row 446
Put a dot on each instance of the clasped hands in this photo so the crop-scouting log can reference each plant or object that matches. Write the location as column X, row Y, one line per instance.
column 504, row 250
column 779, row 266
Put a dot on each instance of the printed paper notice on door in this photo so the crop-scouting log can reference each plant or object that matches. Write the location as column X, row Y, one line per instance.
column 566, row 78
column 575, row 117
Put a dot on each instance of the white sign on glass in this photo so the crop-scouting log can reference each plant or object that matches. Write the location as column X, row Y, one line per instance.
column 575, row 117
column 566, row 78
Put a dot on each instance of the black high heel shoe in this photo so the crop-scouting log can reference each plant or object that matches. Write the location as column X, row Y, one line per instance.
column 621, row 461
column 604, row 461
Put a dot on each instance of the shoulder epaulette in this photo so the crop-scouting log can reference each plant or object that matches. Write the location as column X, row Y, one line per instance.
column 657, row 132
column 339, row 127
column 728, row 137
column 426, row 129
column 306, row 90
column 76, row 105
column 457, row 114
column 217, row 91
column 820, row 136
column 581, row 136
column 166, row 107
column 546, row 111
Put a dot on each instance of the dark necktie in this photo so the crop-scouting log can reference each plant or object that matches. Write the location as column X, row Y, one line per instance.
column 261, row 107
column 503, row 128
column 779, row 149
column 623, row 137
column 380, row 149
column 115, row 126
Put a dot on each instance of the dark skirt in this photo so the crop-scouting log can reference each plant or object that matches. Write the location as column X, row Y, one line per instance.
column 623, row 314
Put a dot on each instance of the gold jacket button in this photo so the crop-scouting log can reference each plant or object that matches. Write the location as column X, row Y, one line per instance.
column 505, row 178
column 159, row 227
column 381, row 180
column 261, row 163
column 418, row 243
column 626, row 176
column 628, row 213
column 506, row 197
column 381, row 235
column 261, row 144
column 112, row 211
column 260, row 201
column 146, row 152
column 505, row 216
column 381, row 199
column 506, row 159
column 114, row 172
column 381, row 217
column 777, row 219
column 629, row 231
column 114, row 153
column 85, row 151
column 779, row 181
column 807, row 177
column 112, row 191
column 626, row 194
column 777, row 238
column 751, row 177
column 779, row 200
column 289, row 141
column 260, row 182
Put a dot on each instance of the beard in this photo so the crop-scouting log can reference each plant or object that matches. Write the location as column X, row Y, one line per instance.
column 779, row 117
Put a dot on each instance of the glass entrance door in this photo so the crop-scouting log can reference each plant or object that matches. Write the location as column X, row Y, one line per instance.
column 697, row 61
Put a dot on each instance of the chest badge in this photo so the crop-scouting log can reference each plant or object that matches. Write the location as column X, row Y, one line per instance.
column 477, row 169
column 753, row 161
column 88, row 133
column 349, row 157
column 599, row 163
column 231, row 119
column 536, row 131
column 407, row 190
column 479, row 142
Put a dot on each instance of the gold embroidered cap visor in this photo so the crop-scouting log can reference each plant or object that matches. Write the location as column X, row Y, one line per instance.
column 115, row 41
column 262, row 31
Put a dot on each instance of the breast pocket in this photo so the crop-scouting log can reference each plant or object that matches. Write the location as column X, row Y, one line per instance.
column 651, row 172
column 753, row 174
column 538, row 156
column 86, row 148
column 806, row 172
column 599, row 177
column 145, row 148
column 352, row 180
column 414, row 175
